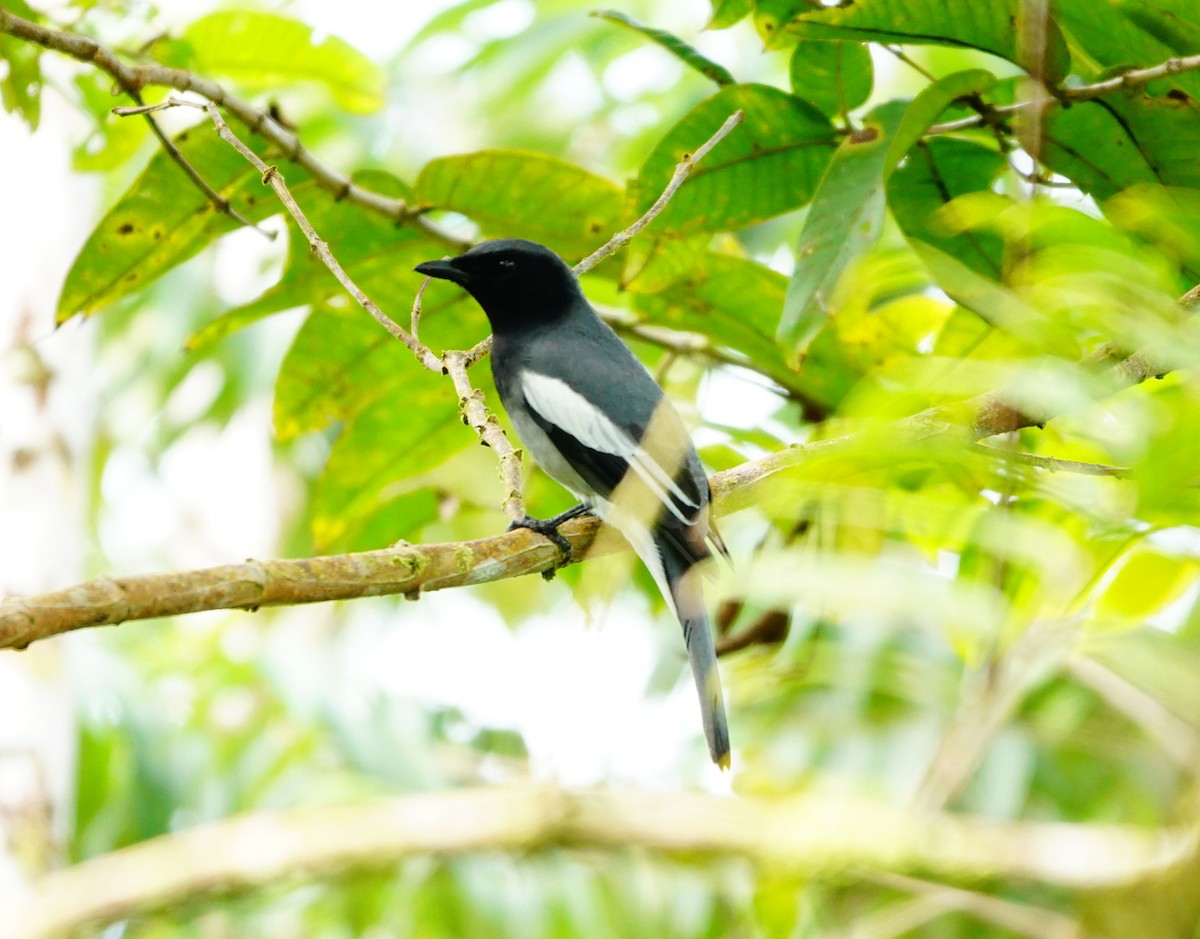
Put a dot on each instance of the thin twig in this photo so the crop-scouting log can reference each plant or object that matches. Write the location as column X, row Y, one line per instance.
column 1038, row 922
column 1053, row 463
column 683, row 169
column 137, row 77
column 1132, row 78
column 900, row 54
column 414, row 320
column 476, row 415
column 454, row 364
column 273, row 178
column 222, row 204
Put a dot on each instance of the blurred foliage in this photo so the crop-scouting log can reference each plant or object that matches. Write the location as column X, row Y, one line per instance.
column 834, row 249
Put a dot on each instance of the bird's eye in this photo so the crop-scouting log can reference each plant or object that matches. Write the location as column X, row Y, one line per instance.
column 507, row 262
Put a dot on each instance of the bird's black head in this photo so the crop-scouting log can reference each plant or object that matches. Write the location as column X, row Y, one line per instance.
column 518, row 283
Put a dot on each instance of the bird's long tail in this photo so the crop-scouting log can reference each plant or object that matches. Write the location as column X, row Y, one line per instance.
column 688, row 598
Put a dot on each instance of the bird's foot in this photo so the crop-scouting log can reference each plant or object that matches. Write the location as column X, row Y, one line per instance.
column 548, row 528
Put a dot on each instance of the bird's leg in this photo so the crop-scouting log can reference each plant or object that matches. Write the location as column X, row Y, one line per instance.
column 548, row 528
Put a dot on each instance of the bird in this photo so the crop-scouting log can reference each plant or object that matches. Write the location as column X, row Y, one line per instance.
column 592, row 416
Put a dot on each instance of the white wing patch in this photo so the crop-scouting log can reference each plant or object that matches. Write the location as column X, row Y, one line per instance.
column 558, row 404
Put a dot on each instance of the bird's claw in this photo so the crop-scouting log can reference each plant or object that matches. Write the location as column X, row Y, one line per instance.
column 547, row 528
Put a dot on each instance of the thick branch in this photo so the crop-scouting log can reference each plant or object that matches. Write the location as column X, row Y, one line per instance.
column 409, row 569
column 133, row 78
column 811, row 835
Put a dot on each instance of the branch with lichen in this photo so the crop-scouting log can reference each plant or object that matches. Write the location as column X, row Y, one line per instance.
column 412, row 569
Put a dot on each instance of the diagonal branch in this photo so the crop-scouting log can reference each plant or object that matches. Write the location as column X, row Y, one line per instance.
column 816, row 835
column 1132, row 78
column 683, row 169
column 452, row 363
column 133, row 78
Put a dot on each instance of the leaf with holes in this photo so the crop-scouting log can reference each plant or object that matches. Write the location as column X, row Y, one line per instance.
column 163, row 219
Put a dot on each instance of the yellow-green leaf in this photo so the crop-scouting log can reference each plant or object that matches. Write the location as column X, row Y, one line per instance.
column 164, row 219
column 1148, row 581
column 265, row 50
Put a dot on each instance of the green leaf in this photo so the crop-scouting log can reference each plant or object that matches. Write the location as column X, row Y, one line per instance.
column 845, row 219
column 1174, row 22
column 988, row 25
column 835, row 77
column 937, row 171
column 515, row 194
column 1166, row 218
column 727, row 12
column 407, row 431
column 265, row 50
column 163, row 219
column 340, row 361
column 771, row 16
column 768, row 165
column 1109, row 144
column 997, row 305
column 1148, row 581
column 928, row 106
column 1134, row 35
column 733, row 301
column 114, row 139
column 687, row 54
column 21, row 86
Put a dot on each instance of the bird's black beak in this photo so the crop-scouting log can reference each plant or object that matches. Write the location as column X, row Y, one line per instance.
column 445, row 270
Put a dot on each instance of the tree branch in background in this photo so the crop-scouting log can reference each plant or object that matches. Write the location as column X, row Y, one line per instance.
column 816, row 834
column 1132, row 78
column 134, row 78
column 1036, row 922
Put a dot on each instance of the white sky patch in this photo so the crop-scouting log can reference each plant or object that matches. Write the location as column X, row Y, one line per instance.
column 500, row 20
column 576, row 692
column 645, row 69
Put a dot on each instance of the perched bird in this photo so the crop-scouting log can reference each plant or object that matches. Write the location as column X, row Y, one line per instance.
column 594, row 419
